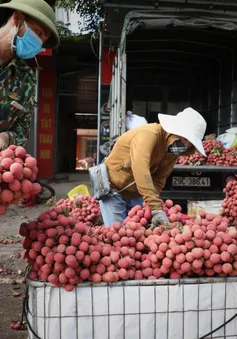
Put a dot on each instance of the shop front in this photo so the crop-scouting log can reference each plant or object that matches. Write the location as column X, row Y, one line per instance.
column 86, row 148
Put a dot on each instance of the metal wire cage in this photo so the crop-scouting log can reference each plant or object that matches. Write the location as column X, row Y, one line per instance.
column 162, row 309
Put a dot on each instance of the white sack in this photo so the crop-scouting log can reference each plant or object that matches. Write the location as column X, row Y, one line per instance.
column 228, row 139
column 232, row 130
column 133, row 121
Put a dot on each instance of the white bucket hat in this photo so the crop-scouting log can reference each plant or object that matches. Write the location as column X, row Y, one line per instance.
column 188, row 124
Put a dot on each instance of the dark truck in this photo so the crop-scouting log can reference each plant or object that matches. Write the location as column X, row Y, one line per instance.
column 176, row 55
column 197, row 183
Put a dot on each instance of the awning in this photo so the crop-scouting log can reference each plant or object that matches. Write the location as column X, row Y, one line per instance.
column 158, row 20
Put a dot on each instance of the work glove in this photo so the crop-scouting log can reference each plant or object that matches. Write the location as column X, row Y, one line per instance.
column 4, row 141
column 159, row 217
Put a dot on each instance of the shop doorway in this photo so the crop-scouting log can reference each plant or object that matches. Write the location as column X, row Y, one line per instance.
column 86, row 148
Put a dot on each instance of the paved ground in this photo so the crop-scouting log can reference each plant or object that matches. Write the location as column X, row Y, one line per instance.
column 11, row 296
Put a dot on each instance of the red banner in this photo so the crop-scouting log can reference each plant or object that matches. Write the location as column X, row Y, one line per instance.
column 106, row 65
column 46, row 52
column 45, row 135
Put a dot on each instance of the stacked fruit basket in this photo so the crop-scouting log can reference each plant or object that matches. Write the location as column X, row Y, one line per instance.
column 117, row 281
column 217, row 155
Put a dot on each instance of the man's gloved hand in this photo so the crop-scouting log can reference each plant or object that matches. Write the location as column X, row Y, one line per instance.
column 4, row 141
column 159, row 217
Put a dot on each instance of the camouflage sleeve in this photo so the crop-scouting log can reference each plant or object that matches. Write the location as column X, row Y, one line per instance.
column 19, row 132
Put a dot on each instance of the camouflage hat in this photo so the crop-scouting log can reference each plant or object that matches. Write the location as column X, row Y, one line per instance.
column 41, row 12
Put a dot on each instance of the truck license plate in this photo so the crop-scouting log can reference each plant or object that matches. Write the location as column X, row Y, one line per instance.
column 191, row 181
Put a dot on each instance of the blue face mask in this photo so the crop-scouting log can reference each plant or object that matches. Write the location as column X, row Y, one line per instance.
column 27, row 46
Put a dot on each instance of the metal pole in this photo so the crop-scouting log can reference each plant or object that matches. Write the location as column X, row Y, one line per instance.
column 56, row 124
column 99, row 98
column 37, row 72
column 232, row 90
column 123, row 92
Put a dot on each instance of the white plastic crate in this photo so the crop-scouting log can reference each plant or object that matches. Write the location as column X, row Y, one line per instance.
column 161, row 309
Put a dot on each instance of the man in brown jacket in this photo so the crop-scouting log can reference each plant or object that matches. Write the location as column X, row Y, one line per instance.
column 146, row 156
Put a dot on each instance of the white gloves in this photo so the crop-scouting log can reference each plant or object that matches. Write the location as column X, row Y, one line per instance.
column 4, row 141
column 159, row 217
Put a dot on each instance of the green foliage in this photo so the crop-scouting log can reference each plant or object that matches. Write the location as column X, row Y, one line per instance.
column 67, row 4
column 67, row 35
column 90, row 12
column 75, row 38
column 63, row 29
